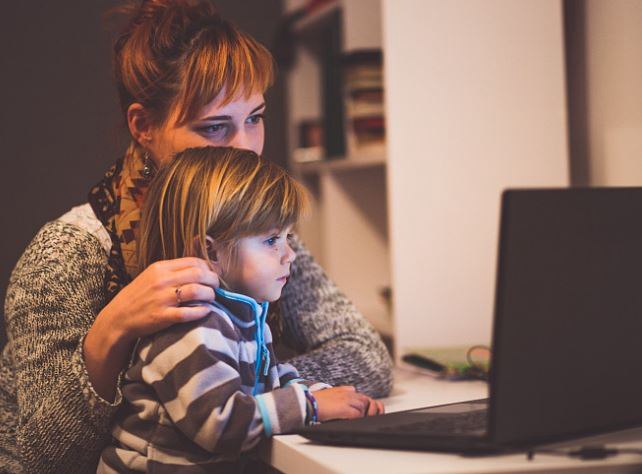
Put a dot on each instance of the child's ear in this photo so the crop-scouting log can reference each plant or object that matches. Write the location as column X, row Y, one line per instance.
column 211, row 247
column 214, row 254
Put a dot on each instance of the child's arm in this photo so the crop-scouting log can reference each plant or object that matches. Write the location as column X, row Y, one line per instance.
column 194, row 371
column 335, row 403
column 288, row 375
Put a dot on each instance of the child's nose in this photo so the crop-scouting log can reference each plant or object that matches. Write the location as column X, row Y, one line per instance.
column 290, row 255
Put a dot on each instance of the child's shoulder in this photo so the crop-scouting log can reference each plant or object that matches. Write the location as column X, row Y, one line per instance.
column 214, row 328
column 217, row 320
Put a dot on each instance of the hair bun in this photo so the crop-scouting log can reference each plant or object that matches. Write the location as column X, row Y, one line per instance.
column 163, row 10
column 163, row 21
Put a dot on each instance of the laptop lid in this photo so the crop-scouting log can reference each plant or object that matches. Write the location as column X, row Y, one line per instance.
column 568, row 324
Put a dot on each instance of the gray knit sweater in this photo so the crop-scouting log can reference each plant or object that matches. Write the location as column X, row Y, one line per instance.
column 51, row 419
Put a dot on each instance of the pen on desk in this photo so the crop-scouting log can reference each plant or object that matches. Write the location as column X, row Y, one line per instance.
column 423, row 362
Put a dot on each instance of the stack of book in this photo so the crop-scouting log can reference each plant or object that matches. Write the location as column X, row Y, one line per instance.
column 364, row 108
column 310, row 141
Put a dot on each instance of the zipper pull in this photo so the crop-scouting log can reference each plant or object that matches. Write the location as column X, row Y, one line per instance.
column 266, row 361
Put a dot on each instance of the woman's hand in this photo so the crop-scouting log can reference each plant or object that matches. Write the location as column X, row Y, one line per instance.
column 150, row 302
column 345, row 402
column 145, row 306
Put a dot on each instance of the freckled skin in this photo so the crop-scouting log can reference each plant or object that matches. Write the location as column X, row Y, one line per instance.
column 261, row 267
column 238, row 124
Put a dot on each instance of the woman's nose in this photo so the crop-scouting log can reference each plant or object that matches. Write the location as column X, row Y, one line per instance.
column 241, row 139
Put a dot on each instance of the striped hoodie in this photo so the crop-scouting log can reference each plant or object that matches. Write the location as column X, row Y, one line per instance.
column 198, row 394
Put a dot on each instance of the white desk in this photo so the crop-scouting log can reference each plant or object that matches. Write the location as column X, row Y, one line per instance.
column 295, row 454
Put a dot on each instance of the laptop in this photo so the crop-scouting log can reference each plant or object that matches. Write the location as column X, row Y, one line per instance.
column 567, row 333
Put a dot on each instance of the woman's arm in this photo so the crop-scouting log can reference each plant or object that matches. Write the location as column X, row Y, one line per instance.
column 54, row 294
column 68, row 349
column 339, row 346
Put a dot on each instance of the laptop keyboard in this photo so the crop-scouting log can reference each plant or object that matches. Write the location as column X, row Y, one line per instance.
column 473, row 422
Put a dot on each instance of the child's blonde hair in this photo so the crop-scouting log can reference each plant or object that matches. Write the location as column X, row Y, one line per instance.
column 221, row 192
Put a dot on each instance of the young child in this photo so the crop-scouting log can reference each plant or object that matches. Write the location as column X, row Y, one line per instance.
column 198, row 394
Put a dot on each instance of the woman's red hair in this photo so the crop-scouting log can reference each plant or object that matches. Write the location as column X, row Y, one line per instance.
column 176, row 56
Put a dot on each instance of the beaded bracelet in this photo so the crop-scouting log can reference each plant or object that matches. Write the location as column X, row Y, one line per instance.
column 313, row 418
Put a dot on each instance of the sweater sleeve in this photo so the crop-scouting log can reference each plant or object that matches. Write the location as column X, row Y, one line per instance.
column 338, row 345
column 194, row 370
column 289, row 375
column 54, row 295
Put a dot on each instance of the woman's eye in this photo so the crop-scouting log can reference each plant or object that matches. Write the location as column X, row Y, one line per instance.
column 212, row 129
column 290, row 238
column 255, row 119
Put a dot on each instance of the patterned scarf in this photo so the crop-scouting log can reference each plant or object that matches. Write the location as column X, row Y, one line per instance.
column 117, row 200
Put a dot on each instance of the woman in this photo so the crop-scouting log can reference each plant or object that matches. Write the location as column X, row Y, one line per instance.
column 75, row 305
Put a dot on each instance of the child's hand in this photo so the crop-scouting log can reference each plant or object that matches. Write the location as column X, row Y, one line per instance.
column 345, row 402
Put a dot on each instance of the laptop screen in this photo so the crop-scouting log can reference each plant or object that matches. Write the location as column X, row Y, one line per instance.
column 568, row 326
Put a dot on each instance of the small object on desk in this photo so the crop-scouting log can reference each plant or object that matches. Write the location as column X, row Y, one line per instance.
column 423, row 362
column 452, row 363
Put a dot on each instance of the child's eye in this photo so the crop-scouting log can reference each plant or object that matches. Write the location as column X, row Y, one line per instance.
column 272, row 240
column 290, row 238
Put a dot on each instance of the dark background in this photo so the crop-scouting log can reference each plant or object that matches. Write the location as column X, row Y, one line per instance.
column 60, row 122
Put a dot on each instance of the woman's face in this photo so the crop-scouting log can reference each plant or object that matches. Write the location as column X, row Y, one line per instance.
column 237, row 124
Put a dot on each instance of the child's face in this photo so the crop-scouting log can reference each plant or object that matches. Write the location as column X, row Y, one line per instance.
column 262, row 265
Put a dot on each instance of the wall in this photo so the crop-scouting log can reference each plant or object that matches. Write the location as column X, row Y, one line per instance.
column 605, row 85
column 362, row 19
column 60, row 124
column 475, row 103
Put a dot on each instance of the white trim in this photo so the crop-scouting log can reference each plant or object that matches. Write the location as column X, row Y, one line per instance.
column 83, row 216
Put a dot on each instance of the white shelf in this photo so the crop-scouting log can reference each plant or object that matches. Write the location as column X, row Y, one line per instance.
column 347, row 227
column 340, row 164
column 317, row 18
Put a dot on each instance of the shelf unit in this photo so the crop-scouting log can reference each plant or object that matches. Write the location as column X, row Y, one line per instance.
column 317, row 18
column 346, row 163
column 347, row 227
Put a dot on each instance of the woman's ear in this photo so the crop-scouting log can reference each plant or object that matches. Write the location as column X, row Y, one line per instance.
column 139, row 124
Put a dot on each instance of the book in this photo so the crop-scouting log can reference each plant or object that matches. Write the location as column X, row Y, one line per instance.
column 364, row 100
